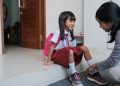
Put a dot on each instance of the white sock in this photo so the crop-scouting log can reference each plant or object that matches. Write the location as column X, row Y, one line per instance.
column 72, row 67
column 90, row 62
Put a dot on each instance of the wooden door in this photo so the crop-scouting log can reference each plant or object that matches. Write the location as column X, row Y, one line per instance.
column 31, row 24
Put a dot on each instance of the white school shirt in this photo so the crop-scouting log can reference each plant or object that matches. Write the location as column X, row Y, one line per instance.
column 63, row 43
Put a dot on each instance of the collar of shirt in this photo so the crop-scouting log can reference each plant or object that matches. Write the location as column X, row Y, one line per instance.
column 67, row 32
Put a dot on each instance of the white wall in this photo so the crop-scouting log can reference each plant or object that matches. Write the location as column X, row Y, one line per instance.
column 55, row 7
column 94, row 37
column 117, row 1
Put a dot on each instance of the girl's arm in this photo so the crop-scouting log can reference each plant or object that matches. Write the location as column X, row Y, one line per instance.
column 54, row 41
column 79, row 39
column 48, row 61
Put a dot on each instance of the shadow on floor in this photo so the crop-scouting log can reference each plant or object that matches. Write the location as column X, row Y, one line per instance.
column 67, row 82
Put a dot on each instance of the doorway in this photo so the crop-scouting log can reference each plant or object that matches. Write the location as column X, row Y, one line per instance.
column 24, row 24
column 11, row 20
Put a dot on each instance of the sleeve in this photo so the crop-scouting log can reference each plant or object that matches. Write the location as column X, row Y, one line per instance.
column 55, row 37
column 114, row 58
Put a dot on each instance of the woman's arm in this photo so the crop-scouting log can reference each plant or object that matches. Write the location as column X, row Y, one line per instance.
column 114, row 58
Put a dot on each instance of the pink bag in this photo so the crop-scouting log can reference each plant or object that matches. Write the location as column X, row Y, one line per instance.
column 48, row 44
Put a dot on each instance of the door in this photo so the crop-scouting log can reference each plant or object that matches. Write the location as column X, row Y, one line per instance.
column 31, row 23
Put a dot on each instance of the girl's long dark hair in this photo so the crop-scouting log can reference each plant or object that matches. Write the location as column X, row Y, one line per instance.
column 62, row 20
column 110, row 12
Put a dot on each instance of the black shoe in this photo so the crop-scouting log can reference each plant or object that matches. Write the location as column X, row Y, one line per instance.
column 96, row 78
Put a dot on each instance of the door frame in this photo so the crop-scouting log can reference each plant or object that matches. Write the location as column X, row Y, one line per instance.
column 42, row 28
column 42, row 25
column 1, row 26
column 43, row 19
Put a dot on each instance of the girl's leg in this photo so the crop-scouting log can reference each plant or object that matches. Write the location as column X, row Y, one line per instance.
column 86, row 53
column 71, row 62
column 74, row 76
column 71, row 56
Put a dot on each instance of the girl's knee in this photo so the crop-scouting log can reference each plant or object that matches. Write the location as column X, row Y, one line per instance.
column 71, row 52
column 83, row 48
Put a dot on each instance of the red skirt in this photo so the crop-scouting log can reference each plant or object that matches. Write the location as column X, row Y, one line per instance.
column 61, row 56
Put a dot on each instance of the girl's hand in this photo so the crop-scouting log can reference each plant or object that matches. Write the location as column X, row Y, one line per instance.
column 48, row 62
column 79, row 36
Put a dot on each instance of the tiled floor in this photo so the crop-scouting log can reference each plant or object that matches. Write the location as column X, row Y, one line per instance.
column 67, row 82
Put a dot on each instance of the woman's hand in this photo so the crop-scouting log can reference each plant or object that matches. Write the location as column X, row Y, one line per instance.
column 93, row 69
column 93, row 66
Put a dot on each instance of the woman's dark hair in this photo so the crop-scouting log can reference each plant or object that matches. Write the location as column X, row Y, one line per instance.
column 110, row 12
column 62, row 20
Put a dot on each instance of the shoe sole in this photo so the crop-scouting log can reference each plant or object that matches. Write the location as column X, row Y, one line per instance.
column 91, row 79
column 74, row 84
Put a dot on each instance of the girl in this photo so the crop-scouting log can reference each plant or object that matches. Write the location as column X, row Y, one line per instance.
column 108, row 16
column 66, row 53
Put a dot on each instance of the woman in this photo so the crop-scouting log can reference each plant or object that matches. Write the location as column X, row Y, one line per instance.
column 108, row 16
